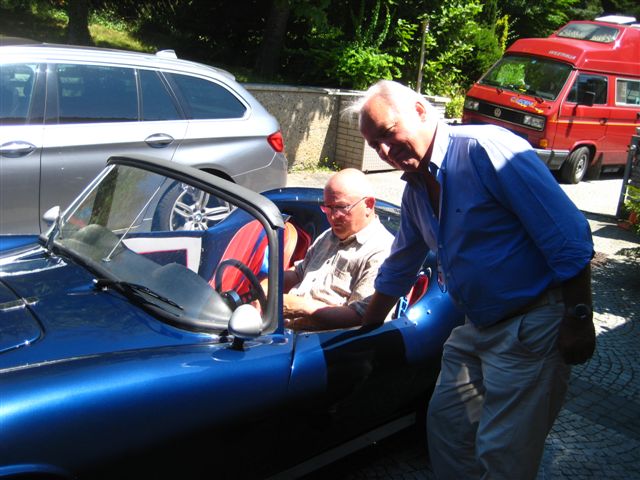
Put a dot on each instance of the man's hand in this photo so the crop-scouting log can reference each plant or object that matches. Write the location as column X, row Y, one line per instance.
column 576, row 338
column 294, row 306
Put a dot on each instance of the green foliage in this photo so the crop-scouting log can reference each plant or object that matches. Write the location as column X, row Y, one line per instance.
column 359, row 67
column 110, row 19
column 622, row 7
column 315, row 12
column 40, row 9
column 32, row 20
column 453, row 109
column 539, row 18
column 486, row 52
column 502, row 31
column 404, row 34
column 328, row 165
column 335, row 43
column 586, row 10
column 324, row 165
column 632, row 204
column 449, row 46
column 362, row 61
column 489, row 14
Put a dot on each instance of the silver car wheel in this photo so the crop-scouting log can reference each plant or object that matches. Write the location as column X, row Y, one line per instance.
column 196, row 210
column 187, row 208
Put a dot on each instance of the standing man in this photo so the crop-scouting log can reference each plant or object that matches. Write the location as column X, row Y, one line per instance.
column 514, row 254
column 332, row 286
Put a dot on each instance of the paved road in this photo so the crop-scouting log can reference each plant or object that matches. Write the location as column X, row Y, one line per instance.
column 597, row 434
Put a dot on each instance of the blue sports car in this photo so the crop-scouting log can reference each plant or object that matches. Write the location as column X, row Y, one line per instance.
column 129, row 349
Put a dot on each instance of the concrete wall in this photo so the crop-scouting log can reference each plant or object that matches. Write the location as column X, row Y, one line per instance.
column 315, row 131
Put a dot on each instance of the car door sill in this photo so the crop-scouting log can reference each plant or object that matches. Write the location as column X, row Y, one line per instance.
column 347, row 448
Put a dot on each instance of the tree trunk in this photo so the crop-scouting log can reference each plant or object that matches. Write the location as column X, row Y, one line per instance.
column 78, row 26
column 273, row 38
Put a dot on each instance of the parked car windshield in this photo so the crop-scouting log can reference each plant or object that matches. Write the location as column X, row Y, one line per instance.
column 533, row 76
column 112, row 230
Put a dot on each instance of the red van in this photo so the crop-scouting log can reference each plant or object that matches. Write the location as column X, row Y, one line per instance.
column 575, row 96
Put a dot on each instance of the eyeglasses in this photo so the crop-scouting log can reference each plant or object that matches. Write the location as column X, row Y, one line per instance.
column 341, row 209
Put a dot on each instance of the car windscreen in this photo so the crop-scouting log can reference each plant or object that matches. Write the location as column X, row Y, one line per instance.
column 187, row 264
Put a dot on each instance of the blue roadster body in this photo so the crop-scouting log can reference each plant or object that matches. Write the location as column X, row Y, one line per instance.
column 127, row 349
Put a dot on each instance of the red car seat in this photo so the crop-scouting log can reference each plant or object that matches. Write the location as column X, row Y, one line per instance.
column 249, row 245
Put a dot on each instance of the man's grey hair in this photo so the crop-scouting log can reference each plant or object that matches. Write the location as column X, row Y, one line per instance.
column 397, row 95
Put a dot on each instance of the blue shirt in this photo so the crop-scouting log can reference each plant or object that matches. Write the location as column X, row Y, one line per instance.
column 505, row 232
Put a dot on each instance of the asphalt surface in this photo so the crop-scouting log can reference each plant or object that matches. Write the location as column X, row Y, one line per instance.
column 597, row 433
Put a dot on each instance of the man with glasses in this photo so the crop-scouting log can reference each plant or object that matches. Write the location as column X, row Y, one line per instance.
column 330, row 288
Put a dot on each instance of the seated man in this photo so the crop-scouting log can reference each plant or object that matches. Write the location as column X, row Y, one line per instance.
column 330, row 288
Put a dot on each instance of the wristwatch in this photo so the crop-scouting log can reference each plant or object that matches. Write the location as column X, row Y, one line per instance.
column 581, row 311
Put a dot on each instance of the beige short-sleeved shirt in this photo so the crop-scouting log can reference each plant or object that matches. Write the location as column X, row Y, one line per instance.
column 342, row 272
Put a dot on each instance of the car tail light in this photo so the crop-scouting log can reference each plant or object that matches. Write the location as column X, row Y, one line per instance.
column 276, row 141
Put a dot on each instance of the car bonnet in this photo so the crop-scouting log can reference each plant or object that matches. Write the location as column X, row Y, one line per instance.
column 50, row 310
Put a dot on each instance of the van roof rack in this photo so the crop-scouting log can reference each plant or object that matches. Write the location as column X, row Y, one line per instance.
column 619, row 19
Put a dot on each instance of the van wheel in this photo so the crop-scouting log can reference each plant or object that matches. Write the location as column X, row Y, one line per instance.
column 185, row 208
column 575, row 166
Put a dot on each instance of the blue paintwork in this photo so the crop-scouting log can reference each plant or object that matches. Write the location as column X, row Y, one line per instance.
column 87, row 376
column 8, row 242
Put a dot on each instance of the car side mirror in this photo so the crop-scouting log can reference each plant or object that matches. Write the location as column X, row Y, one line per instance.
column 51, row 215
column 245, row 324
column 588, row 98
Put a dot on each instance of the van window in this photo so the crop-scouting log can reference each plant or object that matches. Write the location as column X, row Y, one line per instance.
column 589, row 31
column 16, row 88
column 157, row 103
column 627, row 92
column 207, row 100
column 92, row 93
column 589, row 83
column 534, row 76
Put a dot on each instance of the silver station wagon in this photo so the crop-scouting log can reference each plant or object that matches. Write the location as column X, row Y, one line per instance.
column 65, row 110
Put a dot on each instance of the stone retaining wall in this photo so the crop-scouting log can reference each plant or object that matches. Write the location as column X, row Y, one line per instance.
column 314, row 129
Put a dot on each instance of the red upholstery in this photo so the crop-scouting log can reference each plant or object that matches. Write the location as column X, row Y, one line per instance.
column 296, row 241
column 419, row 289
column 249, row 245
column 416, row 293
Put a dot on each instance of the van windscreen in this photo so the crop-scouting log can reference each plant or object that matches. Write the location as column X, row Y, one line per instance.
column 534, row 76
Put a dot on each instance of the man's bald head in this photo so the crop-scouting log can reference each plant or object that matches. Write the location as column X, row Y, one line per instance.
column 350, row 191
column 351, row 179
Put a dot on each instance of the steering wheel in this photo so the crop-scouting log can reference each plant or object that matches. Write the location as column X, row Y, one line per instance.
column 255, row 292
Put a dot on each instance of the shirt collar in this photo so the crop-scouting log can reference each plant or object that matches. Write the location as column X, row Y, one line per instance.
column 363, row 235
column 440, row 144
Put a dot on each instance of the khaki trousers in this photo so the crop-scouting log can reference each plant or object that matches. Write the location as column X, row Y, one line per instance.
column 499, row 391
